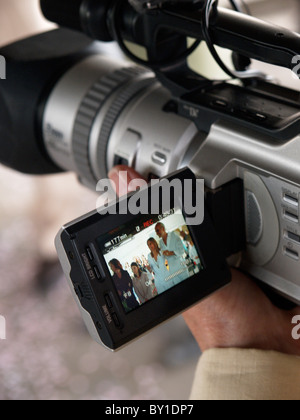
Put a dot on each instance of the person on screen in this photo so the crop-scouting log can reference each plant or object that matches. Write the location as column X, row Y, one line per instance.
column 248, row 353
column 142, row 284
column 173, row 250
column 193, row 254
column 157, row 263
column 124, row 285
column 184, row 238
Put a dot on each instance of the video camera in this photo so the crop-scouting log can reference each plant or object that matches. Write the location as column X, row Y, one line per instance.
column 67, row 107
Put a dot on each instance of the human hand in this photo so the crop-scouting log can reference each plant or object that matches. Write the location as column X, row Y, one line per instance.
column 242, row 316
column 238, row 316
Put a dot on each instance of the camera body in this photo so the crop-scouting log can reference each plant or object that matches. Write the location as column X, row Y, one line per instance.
column 125, row 279
column 75, row 109
column 222, row 134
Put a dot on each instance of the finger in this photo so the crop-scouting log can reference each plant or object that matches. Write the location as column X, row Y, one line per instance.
column 296, row 311
column 122, row 178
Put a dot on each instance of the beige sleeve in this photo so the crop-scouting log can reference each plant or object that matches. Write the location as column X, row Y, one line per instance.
column 20, row 18
column 235, row 374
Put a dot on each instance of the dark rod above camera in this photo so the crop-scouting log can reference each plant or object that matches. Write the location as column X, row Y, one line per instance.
column 229, row 29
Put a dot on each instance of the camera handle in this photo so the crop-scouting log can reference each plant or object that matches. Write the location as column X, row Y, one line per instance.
column 241, row 33
column 107, row 19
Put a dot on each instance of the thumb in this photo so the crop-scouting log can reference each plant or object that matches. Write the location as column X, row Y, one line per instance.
column 122, row 178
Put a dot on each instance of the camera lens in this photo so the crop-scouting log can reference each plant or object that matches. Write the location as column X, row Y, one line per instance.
column 104, row 112
column 95, row 89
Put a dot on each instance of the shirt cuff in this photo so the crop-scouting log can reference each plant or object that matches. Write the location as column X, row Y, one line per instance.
column 238, row 374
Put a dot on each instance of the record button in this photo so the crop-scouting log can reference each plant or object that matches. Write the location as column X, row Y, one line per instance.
column 116, row 320
column 89, row 253
column 159, row 158
column 97, row 272
column 108, row 301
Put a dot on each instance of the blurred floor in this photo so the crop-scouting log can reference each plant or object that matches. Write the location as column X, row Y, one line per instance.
column 48, row 353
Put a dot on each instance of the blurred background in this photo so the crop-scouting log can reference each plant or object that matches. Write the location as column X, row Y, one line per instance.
column 47, row 353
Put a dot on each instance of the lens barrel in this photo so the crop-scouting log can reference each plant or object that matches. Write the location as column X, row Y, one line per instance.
column 93, row 93
column 105, row 112
column 63, row 12
column 88, row 16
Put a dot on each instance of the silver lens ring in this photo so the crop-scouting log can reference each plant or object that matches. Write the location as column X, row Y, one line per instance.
column 120, row 102
column 89, row 108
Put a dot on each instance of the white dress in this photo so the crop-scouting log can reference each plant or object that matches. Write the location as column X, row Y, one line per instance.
column 178, row 269
column 160, row 273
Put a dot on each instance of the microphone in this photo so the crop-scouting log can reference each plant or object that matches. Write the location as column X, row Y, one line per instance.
column 88, row 16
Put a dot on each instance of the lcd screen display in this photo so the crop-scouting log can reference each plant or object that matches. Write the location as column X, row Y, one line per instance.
column 149, row 256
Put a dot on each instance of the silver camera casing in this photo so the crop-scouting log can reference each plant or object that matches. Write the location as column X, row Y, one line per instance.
column 271, row 175
column 269, row 169
column 153, row 141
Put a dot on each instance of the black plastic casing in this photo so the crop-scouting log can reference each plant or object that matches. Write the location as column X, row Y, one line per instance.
column 88, row 16
column 33, row 66
column 77, row 240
